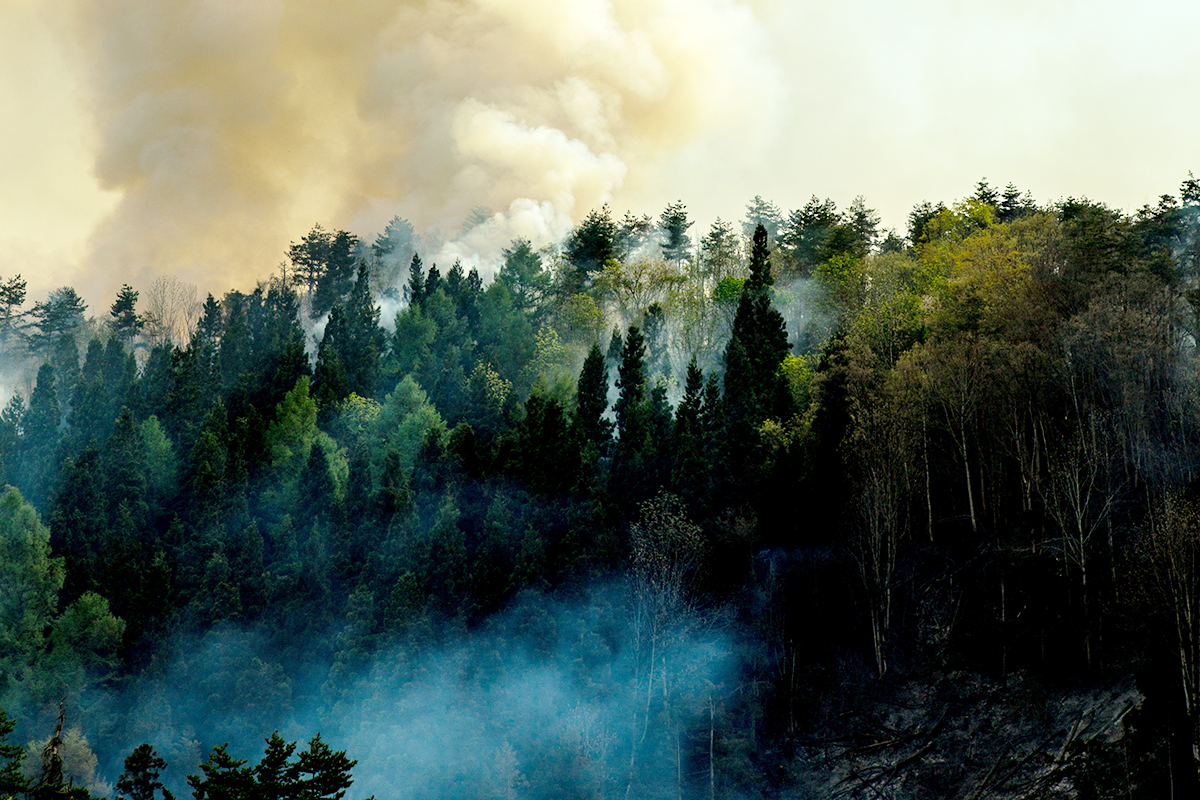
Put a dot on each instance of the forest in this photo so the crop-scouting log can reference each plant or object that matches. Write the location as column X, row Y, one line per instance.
column 793, row 507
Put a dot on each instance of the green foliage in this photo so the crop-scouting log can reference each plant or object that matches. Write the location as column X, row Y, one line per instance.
column 140, row 780
column 31, row 577
column 59, row 316
column 590, row 246
column 522, row 274
column 926, row 449
column 673, row 223
column 290, row 436
column 125, row 321
column 405, row 421
column 12, row 781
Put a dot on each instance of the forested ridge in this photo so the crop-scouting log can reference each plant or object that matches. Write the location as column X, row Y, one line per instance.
column 795, row 507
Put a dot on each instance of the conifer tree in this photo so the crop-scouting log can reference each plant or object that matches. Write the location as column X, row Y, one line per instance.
column 125, row 322
column 140, row 780
column 414, row 292
column 12, row 780
column 589, row 426
column 39, row 441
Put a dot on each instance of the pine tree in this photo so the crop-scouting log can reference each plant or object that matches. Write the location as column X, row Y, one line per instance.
column 631, row 382
column 674, row 224
column 61, row 314
column 589, row 246
column 224, row 778
column 330, row 384
column 589, row 427
column 414, row 292
column 12, row 780
column 393, row 497
column 140, row 780
column 125, row 322
column 12, row 297
column 38, row 459
column 690, row 467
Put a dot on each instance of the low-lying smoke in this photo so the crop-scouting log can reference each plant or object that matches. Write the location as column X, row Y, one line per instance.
column 230, row 126
column 554, row 697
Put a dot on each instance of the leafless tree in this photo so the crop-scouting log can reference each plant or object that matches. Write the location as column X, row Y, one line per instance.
column 1170, row 549
column 958, row 372
column 881, row 445
column 666, row 553
column 172, row 311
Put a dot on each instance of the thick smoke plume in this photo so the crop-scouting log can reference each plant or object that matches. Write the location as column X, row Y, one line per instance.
column 230, row 126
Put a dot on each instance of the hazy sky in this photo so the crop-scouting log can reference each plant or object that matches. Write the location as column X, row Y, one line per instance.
column 198, row 137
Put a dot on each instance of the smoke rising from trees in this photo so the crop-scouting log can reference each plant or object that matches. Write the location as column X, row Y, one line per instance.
column 226, row 126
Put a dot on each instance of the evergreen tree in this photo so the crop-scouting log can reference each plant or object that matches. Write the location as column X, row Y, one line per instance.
column 140, row 780
column 393, row 497
column 336, row 275
column 125, row 322
column 589, row 426
column 631, row 482
column 12, row 780
column 124, row 465
column 589, row 246
column 392, row 249
column 359, row 341
column 674, row 225
column 631, row 382
column 12, row 297
column 212, row 323
column 317, row 491
column 235, row 352
column 330, row 384
column 78, row 521
column 414, row 292
column 61, row 314
column 689, row 466
column 616, row 343
column 522, row 274
column 38, row 459
column 543, row 452
column 224, row 778
column 754, row 387
column 658, row 357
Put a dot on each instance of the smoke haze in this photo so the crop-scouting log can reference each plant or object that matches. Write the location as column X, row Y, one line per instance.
column 228, row 127
column 541, row 700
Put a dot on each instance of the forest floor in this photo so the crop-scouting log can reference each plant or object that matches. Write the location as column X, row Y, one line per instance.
column 960, row 735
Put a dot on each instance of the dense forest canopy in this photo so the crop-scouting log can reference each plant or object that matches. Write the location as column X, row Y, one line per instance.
column 792, row 505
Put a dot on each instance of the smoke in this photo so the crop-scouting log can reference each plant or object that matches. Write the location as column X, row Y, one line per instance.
column 553, row 696
column 228, row 127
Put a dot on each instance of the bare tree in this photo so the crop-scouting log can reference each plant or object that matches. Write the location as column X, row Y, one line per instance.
column 881, row 444
column 1081, row 499
column 958, row 371
column 666, row 553
column 1170, row 549
column 172, row 311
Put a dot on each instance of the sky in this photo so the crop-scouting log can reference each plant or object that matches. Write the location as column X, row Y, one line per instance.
column 198, row 138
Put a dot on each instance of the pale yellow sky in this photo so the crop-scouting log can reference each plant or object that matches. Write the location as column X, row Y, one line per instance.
column 222, row 129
